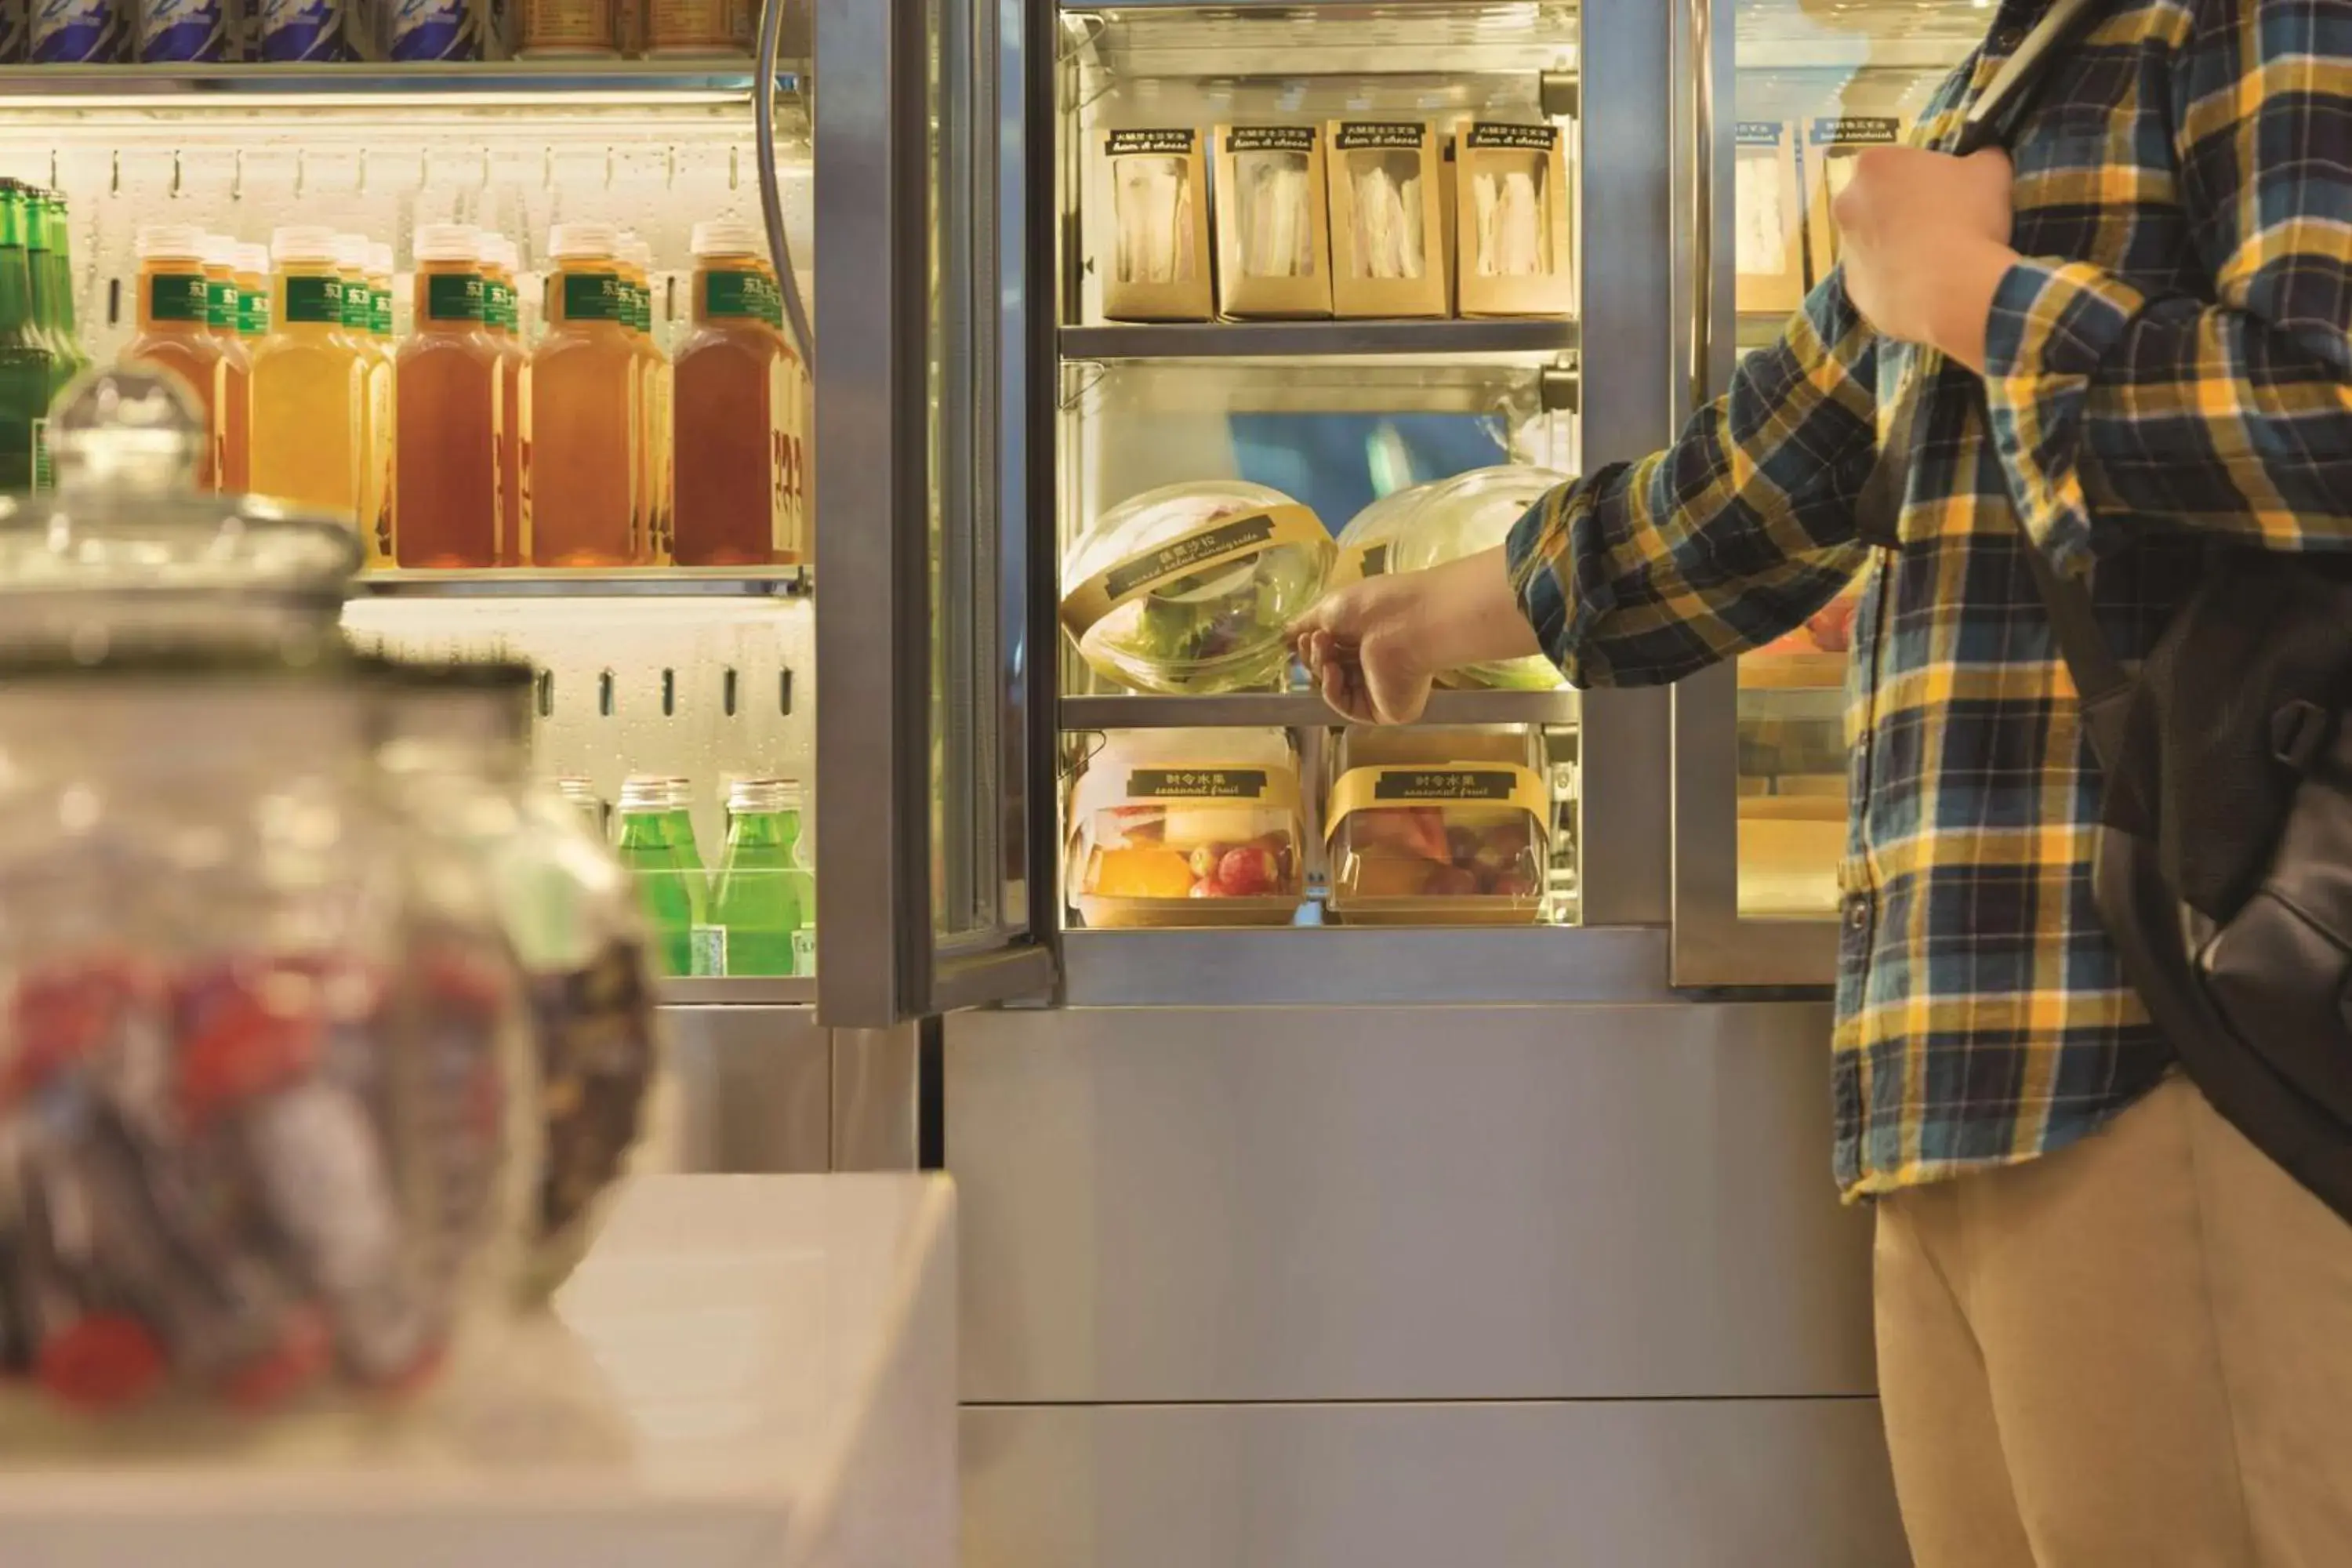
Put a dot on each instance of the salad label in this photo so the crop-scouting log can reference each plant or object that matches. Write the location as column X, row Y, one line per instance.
column 1370, row 789
column 1354, row 134
column 1211, row 783
column 1214, row 544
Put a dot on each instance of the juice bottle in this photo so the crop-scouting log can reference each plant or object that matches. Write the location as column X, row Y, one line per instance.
column 728, row 426
column 310, row 383
column 372, row 499
column 500, row 315
column 380, row 338
column 449, row 420
column 176, row 331
column 252, row 295
column 582, row 404
column 636, row 259
column 237, row 363
column 792, row 424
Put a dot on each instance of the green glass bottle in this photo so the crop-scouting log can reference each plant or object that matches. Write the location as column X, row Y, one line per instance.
column 51, row 265
column 755, row 905
column 27, row 365
column 675, row 895
column 679, row 795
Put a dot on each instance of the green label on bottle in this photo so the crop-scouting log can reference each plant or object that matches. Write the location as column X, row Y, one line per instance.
column 641, row 307
column 220, row 302
column 178, row 296
column 252, row 312
column 380, row 311
column 454, row 297
column 45, row 477
column 499, row 304
column 710, row 950
column 735, row 296
column 592, row 297
column 315, row 299
column 805, row 950
column 359, row 306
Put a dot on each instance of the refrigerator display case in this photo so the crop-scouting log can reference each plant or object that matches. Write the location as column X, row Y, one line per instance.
column 1792, row 89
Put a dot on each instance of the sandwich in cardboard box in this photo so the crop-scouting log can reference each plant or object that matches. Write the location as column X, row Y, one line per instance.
column 1151, row 208
column 1274, row 247
column 1512, row 255
column 1389, row 240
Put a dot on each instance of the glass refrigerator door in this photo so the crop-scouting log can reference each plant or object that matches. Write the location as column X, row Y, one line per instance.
column 930, row 746
column 1789, row 92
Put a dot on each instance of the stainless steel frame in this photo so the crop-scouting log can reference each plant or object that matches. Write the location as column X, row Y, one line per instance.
column 882, row 957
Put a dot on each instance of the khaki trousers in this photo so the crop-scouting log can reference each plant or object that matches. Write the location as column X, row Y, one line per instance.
column 2137, row 1353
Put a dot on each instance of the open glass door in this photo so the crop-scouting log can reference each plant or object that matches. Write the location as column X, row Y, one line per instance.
column 930, row 752
column 1784, row 92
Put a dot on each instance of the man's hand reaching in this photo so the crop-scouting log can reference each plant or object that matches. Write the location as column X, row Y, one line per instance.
column 1375, row 649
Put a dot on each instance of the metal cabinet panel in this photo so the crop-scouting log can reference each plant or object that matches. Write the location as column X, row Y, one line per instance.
column 750, row 1093
column 1703, row 1484
column 1329, row 1202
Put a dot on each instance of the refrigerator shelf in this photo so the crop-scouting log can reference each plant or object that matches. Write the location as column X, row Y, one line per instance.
column 1290, row 710
column 243, row 88
column 1535, row 338
column 640, row 582
column 792, row 991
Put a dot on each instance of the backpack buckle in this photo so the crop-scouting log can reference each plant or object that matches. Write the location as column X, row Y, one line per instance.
column 2299, row 734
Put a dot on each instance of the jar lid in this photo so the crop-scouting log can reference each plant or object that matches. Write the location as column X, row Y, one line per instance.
column 726, row 237
column 126, row 549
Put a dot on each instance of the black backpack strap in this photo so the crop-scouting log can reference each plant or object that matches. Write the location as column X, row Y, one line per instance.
column 2100, row 682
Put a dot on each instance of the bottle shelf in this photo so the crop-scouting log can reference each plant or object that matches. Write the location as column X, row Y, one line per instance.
column 794, row 991
column 536, row 583
column 242, row 87
column 1302, row 709
column 1530, row 339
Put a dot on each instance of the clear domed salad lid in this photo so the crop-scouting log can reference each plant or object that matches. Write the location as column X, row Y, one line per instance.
column 127, row 549
column 1190, row 588
column 1366, row 543
column 1461, row 516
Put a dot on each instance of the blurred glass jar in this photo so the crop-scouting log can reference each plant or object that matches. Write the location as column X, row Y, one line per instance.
column 267, row 1098
column 126, row 552
column 455, row 749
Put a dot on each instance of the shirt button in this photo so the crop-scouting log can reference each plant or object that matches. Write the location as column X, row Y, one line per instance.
column 1858, row 912
column 2006, row 37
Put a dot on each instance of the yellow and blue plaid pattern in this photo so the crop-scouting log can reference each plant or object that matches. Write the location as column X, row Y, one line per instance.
column 2172, row 365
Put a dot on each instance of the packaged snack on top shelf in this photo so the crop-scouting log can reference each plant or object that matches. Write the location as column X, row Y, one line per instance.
column 690, row 27
column 1771, row 238
column 1274, row 248
column 1832, row 143
column 566, row 28
column 432, row 30
column 1461, row 516
column 308, row 30
column 1511, row 205
column 1151, row 235
column 183, row 32
column 1388, row 231
column 1187, row 827
column 75, row 32
column 1190, row 588
column 1438, row 827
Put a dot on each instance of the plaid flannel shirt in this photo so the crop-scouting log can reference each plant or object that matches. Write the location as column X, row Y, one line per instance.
column 2169, row 366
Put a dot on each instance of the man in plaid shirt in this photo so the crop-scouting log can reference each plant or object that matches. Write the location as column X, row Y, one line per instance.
column 2110, row 1331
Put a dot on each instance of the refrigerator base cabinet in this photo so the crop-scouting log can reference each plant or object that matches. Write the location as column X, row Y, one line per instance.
column 1760, row 1483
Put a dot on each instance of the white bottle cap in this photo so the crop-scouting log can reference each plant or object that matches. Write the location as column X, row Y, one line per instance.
column 579, row 241
column 726, row 237
column 303, row 242
column 380, row 260
column 351, row 252
column 171, row 241
column 447, row 242
column 638, row 254
column 500, row 251
column 220, row 250
column 253, row 258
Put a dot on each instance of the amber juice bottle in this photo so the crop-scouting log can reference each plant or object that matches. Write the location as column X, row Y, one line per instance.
column 176, row 330
column 503, row 318
column 727, row 431
column 448, row 419
column 308, row 383
column 237, row 363
column 585, row 380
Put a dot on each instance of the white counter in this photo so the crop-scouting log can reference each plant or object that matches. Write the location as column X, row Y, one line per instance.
column 783, row 1350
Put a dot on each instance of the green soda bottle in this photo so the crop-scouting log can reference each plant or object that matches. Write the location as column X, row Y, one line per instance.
column 27, row 364
column 51, row 266
column 670, row 879
column 755, row 907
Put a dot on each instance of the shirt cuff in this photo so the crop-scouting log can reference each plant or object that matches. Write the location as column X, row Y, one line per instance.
column 2052, row 325
column 1539, row 552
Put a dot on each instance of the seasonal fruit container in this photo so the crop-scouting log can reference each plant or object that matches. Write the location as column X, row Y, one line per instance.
column 1190, row 589
column 1439, row 827
column 1187, row 828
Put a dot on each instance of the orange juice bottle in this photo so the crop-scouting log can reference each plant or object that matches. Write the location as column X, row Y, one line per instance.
column 637, row 260
column 791, row 425
column 585, row 376
column 236, row 365
column 372, row 502
column 176, row 330
column 310, row 383
column 727, row 428
column 448, row 419
column 380, row 342
column 501, row 316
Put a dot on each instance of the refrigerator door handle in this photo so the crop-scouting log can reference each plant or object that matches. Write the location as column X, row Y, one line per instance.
column 772, row 202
